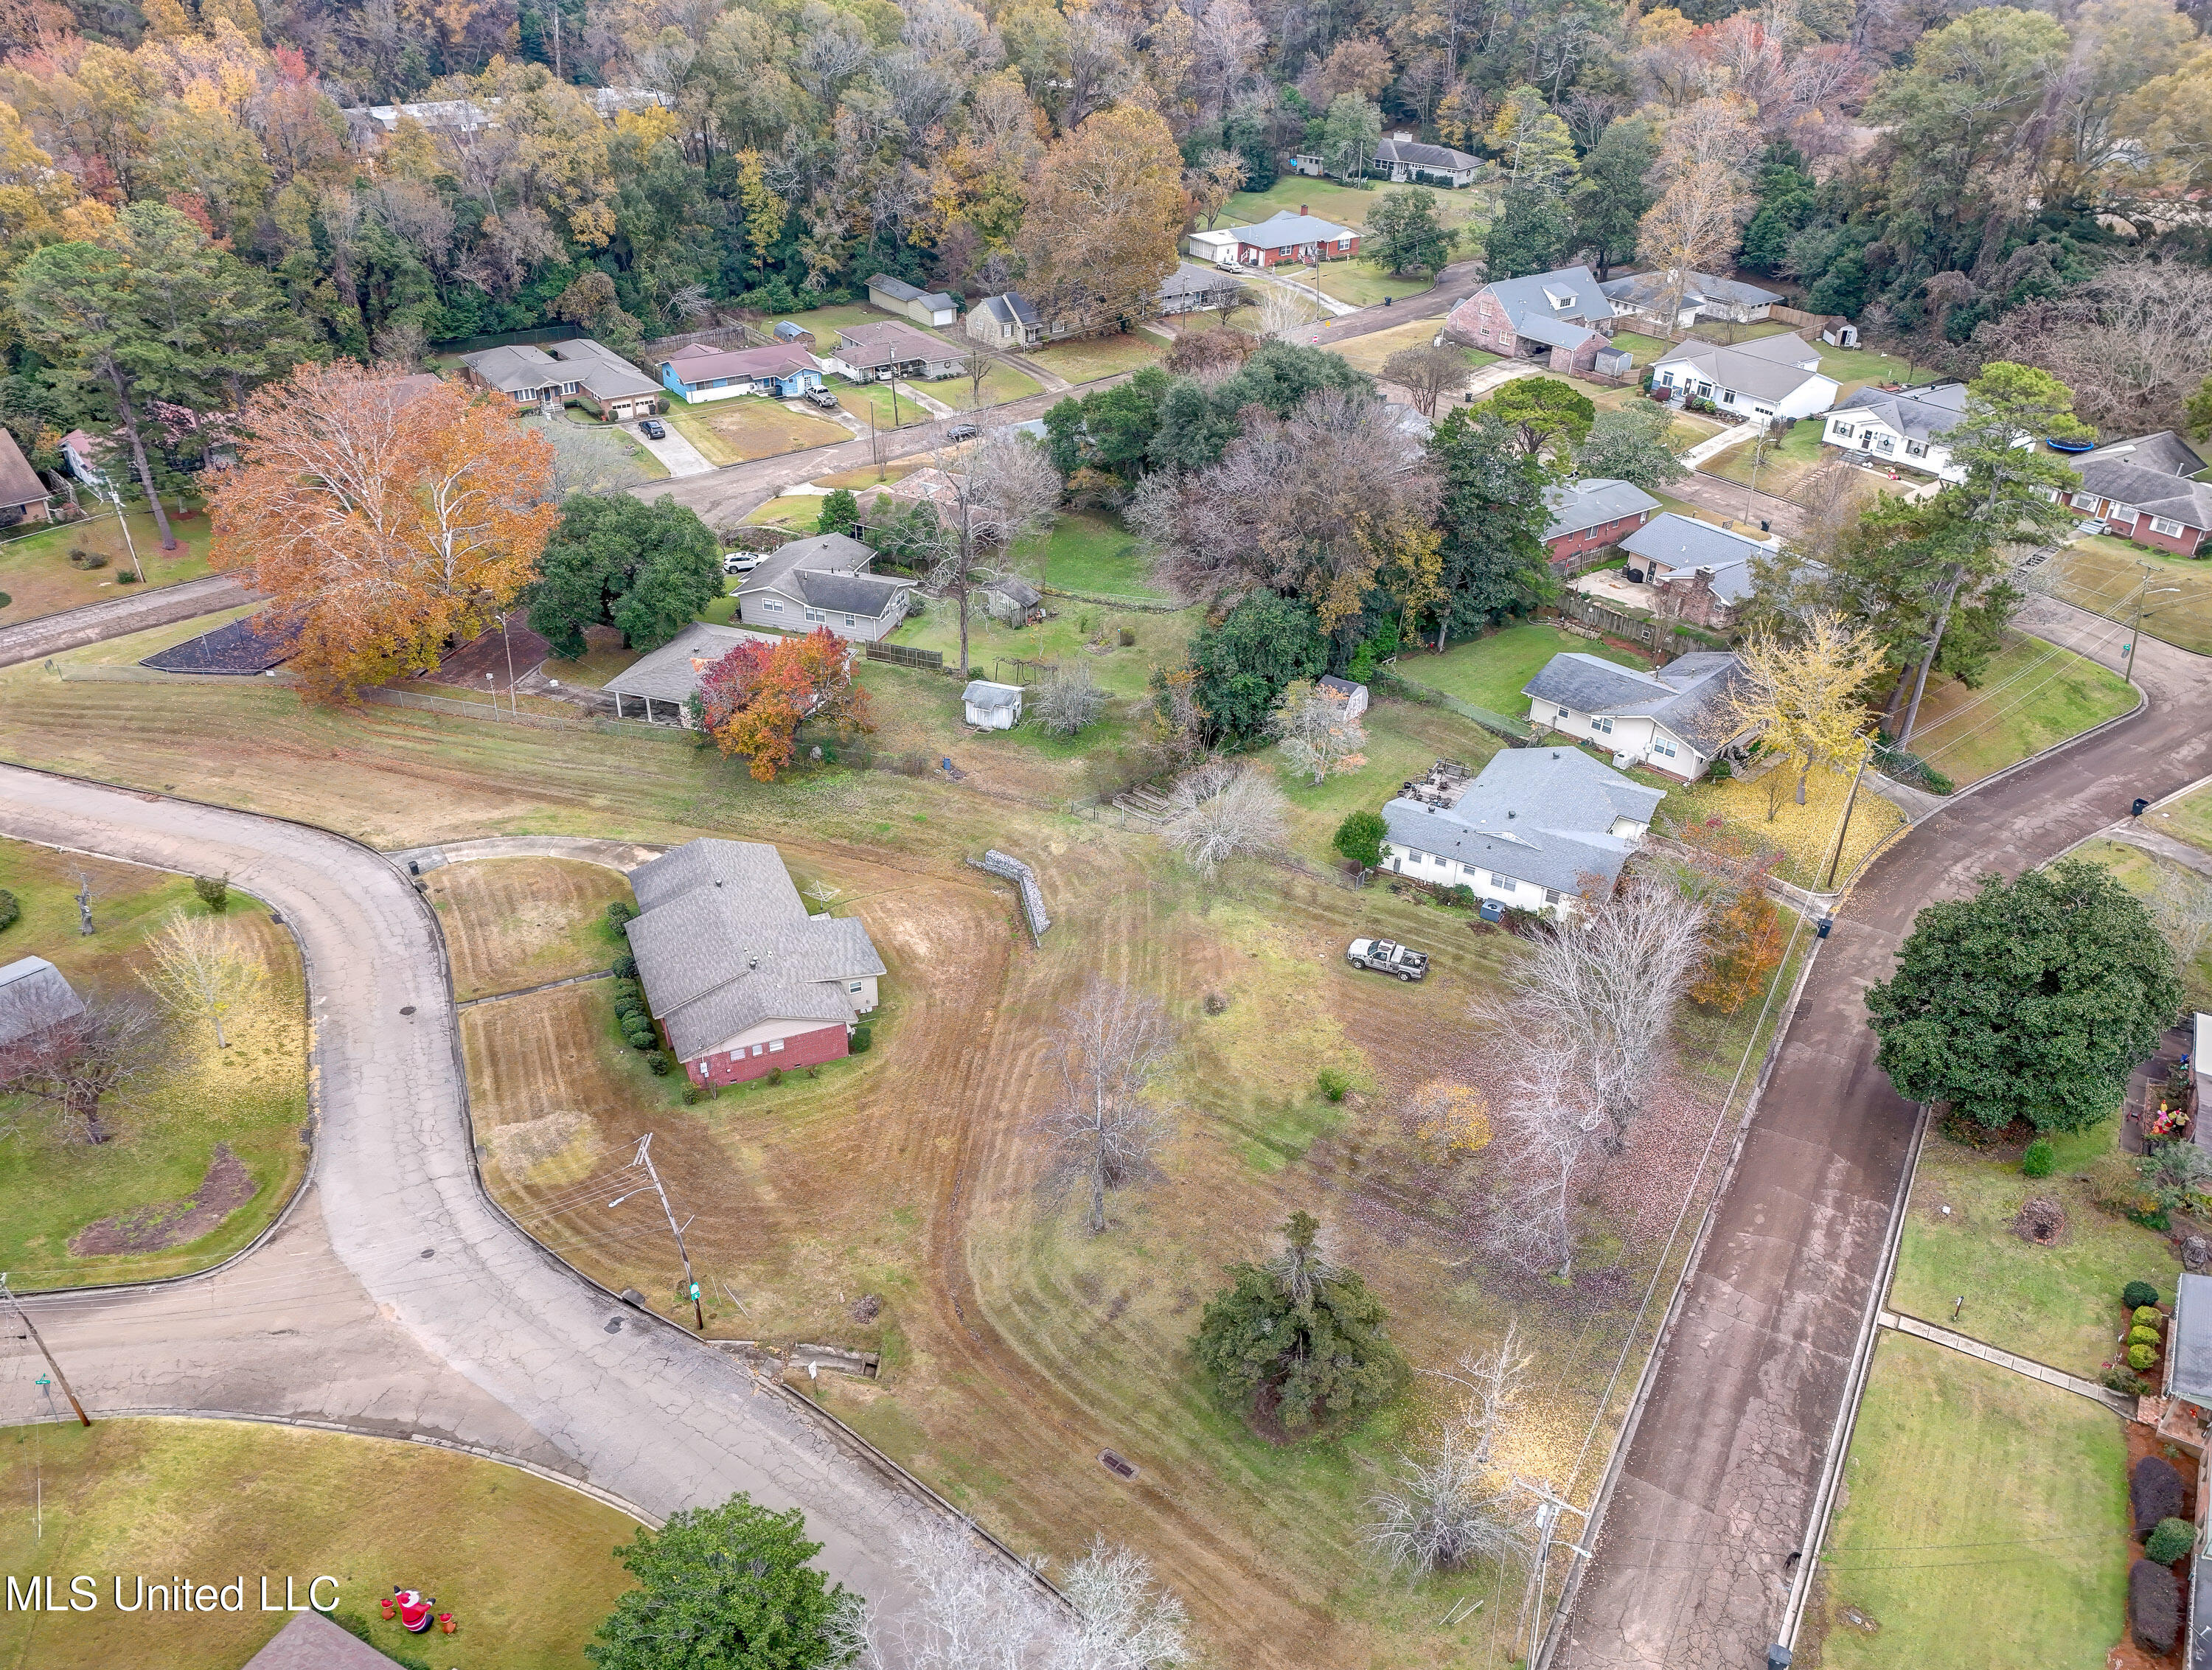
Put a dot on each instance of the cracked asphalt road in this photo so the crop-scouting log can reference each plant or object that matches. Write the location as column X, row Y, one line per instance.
column 1719, row 1484
column 394, row 1298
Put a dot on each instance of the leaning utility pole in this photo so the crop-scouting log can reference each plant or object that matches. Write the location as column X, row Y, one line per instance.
column 691, row 1287
column 24, row 1317
column 1549, row 1507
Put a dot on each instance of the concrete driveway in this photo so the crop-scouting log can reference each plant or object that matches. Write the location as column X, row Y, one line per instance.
column 395, row 1298
column 681, row 457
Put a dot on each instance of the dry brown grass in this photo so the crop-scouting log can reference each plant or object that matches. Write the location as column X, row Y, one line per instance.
column 512, row 923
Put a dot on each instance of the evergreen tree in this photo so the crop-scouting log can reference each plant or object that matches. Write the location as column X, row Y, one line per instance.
column 840, row 513
column 1531, row 234
column 1491, row 517
column 1612, row 196
column 615, row 561
column 1404, row 233
column 1243, row 664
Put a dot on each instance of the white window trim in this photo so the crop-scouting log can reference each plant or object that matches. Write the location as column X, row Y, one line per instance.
column 771, row 606
column 775, row 1045
column 2166, row 525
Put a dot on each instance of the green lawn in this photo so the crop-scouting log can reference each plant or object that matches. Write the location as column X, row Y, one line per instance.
column 1984, row 1525
column 1068, row 635
column 1403, row 739
column 1368, row 352
column 1854, row 367
column 795, row 510
column 251, row 1098
column 1092, row 357
column 213, row 1499
column 826, row 322
column 37, row 575
column 2101, row 574
column 1089, row 552
column 2034, row 696
column 862, row 398
column 1783, row 464
column 2189, row 819
column 1490, row 672
column 1001, row 383
column 1345, row 204
column 2140, row 871
column 747, row 427
column 1364, row 285
column 1646, row 349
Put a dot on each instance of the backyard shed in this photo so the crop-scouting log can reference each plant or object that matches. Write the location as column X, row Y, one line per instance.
column 1353, row 697
column 34, row 996
column 992, row 707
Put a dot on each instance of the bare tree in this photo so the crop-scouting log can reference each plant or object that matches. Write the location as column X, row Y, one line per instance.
column 1428, row 374
column 1451, row 1501
column 202, row 968
column 1124, row 1619
column 1106, row 1132
column 1548, row 1126
column 1318, row 733
column 1068, row 698
column 401, row 341
column 2181, row 906
column 1284, row 311
column 1602, row 990
column 73, row 1056
column 1222, row 811
column 976, row 365
column 1003, row 488
column 83, row 880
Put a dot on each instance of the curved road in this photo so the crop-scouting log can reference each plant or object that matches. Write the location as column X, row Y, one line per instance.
column 1693, row 1566
column 394, row 1298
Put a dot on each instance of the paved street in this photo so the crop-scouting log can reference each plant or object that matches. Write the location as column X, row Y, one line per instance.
column 133, row 612
column 1692, row 1567
column 395, row 1298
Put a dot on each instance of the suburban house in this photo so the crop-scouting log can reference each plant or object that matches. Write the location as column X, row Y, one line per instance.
column 23, row 495
column 1191, row 289
column 1591, row 516
column 877, row 353
column 1675, row 720
column 595, row 377
column 35, row 998
column 1561, row 317
column 1537, row 827
column 2139, row 489
column 990, row 706
column 1698, row 573
column 1283, row 237
column 663, row 682
column 927, row 485
column 1649, row 295
column 1902, row 427
column 1351, row 697
column 896, row 295
column 780, row 371
column 824, row 581
column 740, row 977
column 1773, row 377
column 1403, row 159
column 1009, row 320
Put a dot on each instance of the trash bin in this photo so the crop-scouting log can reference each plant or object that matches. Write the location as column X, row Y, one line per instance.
column 2137, row 810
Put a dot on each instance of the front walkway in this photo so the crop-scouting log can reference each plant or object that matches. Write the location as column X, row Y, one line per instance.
column 1713, row 445
column 2119, row 1405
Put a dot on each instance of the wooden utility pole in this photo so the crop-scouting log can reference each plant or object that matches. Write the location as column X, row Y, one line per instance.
column 690, row 1286
column 24, row 1317
column 1850, row 802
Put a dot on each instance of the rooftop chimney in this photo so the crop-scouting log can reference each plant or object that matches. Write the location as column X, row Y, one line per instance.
column 1301, row 209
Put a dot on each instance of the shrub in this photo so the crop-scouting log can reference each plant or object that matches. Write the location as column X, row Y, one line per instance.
column 694, row 1093
column 619, row 912
column 2135, row 1295
column 629, row 989
column 2143, row 1336
column 2141, row 1356
column 775, row 1075
column 123, row 576
column 2147, row 1316
column 623, row 966
column 5, row 600
column 2037, row 1160
column 2126, row 1381
column 658, row 1061
column 1125, row 637
column 1334, row 1082
column 1359, row 838
column 10, row 911
column 214, row 891
column 1461, row 894
column 1215, row 1003
column 2153, row 1606
column 2154, row 1493
column 639, row 1033
column 2172, row 1540
column 862, row 1037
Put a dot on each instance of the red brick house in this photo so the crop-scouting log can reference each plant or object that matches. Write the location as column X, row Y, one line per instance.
column 1591, row 517
column 1285, row 237
column 1560, row 317
column 739, row 977
column 1696, row 573
column 2139, row 489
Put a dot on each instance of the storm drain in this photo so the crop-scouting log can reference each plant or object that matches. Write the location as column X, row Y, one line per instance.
column 1115, row 1465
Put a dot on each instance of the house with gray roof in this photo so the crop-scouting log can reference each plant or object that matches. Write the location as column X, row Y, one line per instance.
column 657, row 687
column 1006, row 321
column 1698, row 573
column 1651, row 296
column 2141, row 489
column 886, row 348
column 896, row 295
column 589, row 374
column 824, row 581
column 740, row 976
column 1590, row 516
column 35, row 997
column 1560, row 317
column 1675, row 721
column 1538, row 827
column 1758, row 381
column 1403, row 158
column 1900, row 427
column 1282, row 237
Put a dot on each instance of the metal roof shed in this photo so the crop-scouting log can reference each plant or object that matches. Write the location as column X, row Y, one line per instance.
column 2189, row 1343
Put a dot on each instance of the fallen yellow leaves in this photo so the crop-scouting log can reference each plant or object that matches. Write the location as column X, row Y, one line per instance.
column 1806, row 834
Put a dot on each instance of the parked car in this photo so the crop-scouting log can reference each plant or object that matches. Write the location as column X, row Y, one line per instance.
column 1226, row 263
column 962, row 432
column 826, row 399
column 739, row 562
column 653, row 429
column 1388, row 957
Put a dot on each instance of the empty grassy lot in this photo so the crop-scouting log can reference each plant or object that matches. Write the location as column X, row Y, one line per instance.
column 1001, row 383
column 790, row 510
column 860, row 400
column 1345, row 204
column 751, row 426
column 1489, row 671
column 250, row 1098
column 870, row 474
column 1091, row 358
column 1086, row 551
column 36, row 573
column 1365, row 286
column 2034, row 696
column 512, row 923
column 2189, row 818
column 1984, row 1525
column 2102, row 575
column 525, row 1565
column 1368, row 352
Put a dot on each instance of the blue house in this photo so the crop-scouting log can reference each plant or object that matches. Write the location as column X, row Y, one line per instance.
column 780, row 371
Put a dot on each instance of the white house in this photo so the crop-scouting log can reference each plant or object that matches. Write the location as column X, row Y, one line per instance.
column 1675, row 720
column 1773, row 377
column 990, row 706
column 1402, row 158
column 1902, row 427
column 824, row 582
column 1537, row 827
column 885, row 349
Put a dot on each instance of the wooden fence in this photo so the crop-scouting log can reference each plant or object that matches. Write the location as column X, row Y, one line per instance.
column 1660, row 637
column 902, row 655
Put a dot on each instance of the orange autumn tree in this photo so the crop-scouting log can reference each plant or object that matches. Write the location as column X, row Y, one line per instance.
column 753, row 700
column 384, row 522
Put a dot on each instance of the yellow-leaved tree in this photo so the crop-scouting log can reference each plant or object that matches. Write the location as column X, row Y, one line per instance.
column 1807, row 695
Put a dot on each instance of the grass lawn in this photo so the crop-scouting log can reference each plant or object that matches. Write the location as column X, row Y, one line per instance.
column 2140, row 872
column 1368, row 352
column 1489, row 671
column 859, row 399
column 791, row 510
column 2059, row 1305
column 1001, row 383
column 213, row 1499
column 1646, row 349
column 603, row 658
column 251, row 1098
column 826, row 322
column 2101, row 574
column 2033, row 695
column 1854, row 367
column 1091, row 358
column 596, row 458
column 1088, row 552
column 1068, row 633
column 1345, row 204
column 1403, row 739
column 1364, row 285
column 869, row 475
column 515, row 923
column 1782, row 465
column 36, row 573
column 750, row 427
column 1985, row 1526
column 1806, row 834
column 2189, row 819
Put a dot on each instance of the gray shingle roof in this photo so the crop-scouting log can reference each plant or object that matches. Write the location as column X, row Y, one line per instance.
column 742, row 1005
column 836, row 551
column 2164, row 451
column 19, row 483
column 1419, row 155
column 899, row 290
column 1540, row 815
column 1769, row 368
column 2173, row 497
column 1683, row 542
column 1557, row 331
column 1918, row 414
column 890, row 342
column 33, row 996
column 310, row 1642
column 867, row 595
column 1282, row 230
column 514, row 368
column 1016, row 590
column 2191, row 1343
column 1592, row 503
column 1649, row 289
column 667, row 673
column 1689, row 695
column 1579, row 297
column 1011, row 308
column 749, row 869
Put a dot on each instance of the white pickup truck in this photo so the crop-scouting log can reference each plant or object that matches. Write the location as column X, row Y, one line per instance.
column 1387, row 956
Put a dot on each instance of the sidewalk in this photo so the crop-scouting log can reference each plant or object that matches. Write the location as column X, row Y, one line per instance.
column 1714, row 445
column 2123, row 1406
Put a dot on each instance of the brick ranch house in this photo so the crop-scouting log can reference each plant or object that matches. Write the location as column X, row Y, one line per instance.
column 1696, row 573
column 1560, row 317
column 739, row 977
column 1283, row 237
column 2139, row 489
column 1588, row 517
